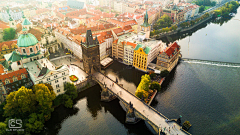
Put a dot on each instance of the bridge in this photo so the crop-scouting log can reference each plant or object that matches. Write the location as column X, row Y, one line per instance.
column 155, row 121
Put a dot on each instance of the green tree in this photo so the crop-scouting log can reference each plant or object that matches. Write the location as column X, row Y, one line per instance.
column 192, row 22
column 201, row 9
column 9, row 34
column 68, row 103
column 164, row 21
column 155, row 85
column 3, row 128
column 152, row 75
column 71, row 90
column 20, row 102
column 151, row 33
column 116, row 14
column 164, row 73
column 35, row 123
column 44, row 98
column 141, row 93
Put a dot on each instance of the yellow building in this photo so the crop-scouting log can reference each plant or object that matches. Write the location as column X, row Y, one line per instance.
column 140, row 57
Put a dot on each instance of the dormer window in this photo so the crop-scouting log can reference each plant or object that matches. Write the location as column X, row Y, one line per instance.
column 23, row 76
column 24, row 51
column 15, row 79
column 7, row 81
column 31, row 50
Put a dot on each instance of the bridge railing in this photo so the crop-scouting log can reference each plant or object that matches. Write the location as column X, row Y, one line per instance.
column 161, row 115
column 137, row 98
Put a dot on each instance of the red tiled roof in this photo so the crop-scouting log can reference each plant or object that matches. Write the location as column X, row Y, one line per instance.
column 17, row 74
column 1, row 69
column 132, row 44
column 8, row 44
column 38, row 34
column 118, row 31
column 3, row 25
column 170, row 50
column 128, row 27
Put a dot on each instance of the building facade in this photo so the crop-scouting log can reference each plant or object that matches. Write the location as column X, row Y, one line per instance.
column 12, row 81
column 168, row 58
column 129, row 52
column 7, row 47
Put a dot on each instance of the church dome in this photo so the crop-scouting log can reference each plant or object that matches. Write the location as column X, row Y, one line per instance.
column 26, row 40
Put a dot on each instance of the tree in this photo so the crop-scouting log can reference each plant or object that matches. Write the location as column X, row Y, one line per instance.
column 192, row 22
column 164, row 21
column 201, row 9
column 116, row 14
column 164, row 73
column 35, row 123
column 44, row 98
column 68, row 103
column 155, row 85
column 3, row 128
column 71, row 90
column 174, row 27
column 141, row 93
column 152, row 75
column 9, row 34
column 20, row 102
column 145, row 82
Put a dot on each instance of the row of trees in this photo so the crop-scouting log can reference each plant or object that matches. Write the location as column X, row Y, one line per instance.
column 192, row 22
column 145, row 85
column 156, row 32
column 226, row 9
column 204, row 2
column 34, row 106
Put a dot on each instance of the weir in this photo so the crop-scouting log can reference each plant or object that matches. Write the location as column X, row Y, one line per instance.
column 209, row 62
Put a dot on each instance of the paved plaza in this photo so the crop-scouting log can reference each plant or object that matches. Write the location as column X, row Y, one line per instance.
column 73, row 64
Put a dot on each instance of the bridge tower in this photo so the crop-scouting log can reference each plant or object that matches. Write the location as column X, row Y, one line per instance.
column 90, row 53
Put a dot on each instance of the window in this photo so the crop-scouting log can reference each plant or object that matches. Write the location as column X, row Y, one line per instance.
column 58, row 91
column 31, row 50
column 36, row 47
column 63, row 73
column 64, row 78
column 48, row 79
column 56, row 81
column 18, row 63
column 57, row 86
column 15, row 79
column 7, row 81
column 55, row 76
column 24, row 51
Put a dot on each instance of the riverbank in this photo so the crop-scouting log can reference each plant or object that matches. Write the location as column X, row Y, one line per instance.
column 181, row 30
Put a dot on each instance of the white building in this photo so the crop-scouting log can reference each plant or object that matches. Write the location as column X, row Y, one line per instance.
column 128, row 53
column 43, row 71
column 15, row 13
column 64, row 38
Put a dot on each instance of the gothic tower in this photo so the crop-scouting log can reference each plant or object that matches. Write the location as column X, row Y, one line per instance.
column 145, row 27
column 90, row 53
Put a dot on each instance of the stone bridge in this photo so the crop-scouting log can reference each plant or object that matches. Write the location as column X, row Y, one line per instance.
column 136, row 109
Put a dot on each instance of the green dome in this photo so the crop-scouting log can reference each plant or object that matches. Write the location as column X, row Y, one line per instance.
column 26, row 40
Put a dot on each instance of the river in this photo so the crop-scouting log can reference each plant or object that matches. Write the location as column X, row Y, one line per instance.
column 205, row 93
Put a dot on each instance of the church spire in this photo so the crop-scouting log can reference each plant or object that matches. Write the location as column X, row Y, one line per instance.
column 146, row 18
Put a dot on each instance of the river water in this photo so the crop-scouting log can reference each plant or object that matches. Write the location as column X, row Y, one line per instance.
column 205, row 93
